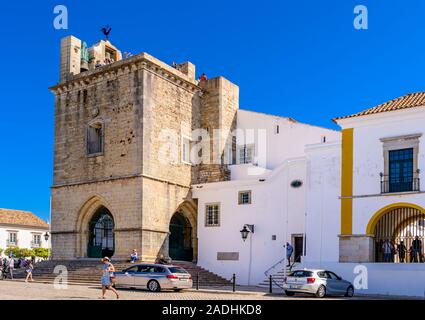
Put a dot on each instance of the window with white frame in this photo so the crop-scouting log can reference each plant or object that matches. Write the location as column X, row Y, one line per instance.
column 36, row 240
column 244, row 197
column 246, row 154
column 212, row 215
column 12, row 238
column 185, row 150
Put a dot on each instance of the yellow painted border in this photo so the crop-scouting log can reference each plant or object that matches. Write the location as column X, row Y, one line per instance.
column 370, row 229
column 347, row 158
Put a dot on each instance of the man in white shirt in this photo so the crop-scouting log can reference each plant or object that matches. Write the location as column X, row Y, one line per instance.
column 11, row 264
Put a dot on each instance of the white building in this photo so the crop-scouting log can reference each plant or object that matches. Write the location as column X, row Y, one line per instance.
column 373, row 196
column 22, row 229
column 270, row 157
column 336, row 196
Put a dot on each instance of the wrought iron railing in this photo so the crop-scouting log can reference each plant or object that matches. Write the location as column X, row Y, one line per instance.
column 267, row 272
column 405, row 184
column 399, row 236
column 277, row 264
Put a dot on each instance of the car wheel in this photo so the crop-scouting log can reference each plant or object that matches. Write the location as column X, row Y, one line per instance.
column 321, row 292
column 153, row 286
column 289, row 293
column 350, row 292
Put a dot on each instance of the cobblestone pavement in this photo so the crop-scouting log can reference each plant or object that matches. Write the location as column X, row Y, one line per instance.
column 19, row 290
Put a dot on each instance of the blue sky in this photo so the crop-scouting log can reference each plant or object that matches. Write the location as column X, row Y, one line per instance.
column 302, row 59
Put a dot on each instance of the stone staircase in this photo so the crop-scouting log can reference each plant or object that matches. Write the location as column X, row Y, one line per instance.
column 88, row 272
column 277, row 277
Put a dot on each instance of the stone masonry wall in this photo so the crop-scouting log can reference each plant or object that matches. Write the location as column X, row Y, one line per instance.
column 123, row 198
column 116, row 99
column 146, row 108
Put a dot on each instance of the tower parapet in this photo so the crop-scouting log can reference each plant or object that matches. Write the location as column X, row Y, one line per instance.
column 77, row 57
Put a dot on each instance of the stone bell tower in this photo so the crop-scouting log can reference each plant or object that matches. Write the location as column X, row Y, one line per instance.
column 117, row 121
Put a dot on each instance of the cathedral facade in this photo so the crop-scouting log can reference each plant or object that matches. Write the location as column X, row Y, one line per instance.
column 123, row 135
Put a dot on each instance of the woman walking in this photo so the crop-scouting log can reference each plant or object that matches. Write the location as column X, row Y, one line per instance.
column 29, row 270
column 106, row 280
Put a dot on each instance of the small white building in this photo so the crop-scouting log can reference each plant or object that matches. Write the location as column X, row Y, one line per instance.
column 267, row 190
column 22, row 229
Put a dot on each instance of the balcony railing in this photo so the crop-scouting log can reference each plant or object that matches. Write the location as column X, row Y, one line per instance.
column 407, row 184
column 35, row 244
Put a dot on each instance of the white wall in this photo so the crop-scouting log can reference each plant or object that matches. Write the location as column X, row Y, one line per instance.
column 275, row 207
column 289, row 143
column 24, row 236
column 323, row 204
column 406, row 279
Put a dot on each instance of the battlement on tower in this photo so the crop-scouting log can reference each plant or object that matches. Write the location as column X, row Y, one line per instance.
column 78, row 60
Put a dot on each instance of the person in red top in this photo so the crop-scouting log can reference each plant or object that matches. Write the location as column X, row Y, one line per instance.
column 203, row 77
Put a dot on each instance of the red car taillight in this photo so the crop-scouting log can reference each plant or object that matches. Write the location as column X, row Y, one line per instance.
column 311, row 280
column 171, row 276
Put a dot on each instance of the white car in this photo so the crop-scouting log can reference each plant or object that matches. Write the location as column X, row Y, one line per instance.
column 154, row 277
column 317, row 282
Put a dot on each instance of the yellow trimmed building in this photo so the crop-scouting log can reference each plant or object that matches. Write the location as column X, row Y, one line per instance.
column 365, row 202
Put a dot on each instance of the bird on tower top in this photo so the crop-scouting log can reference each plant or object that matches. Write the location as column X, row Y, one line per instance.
column 106, row 31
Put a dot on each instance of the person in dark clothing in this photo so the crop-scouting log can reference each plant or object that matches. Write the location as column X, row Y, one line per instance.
column 417, row 249
column 401, row 251
column 162, row 260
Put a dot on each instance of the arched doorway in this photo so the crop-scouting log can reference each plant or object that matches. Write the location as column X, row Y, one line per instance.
column 399, row 235
column 180, row 239
column 101, row 234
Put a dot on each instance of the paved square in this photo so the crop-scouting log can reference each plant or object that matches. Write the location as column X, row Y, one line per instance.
column 19, row 290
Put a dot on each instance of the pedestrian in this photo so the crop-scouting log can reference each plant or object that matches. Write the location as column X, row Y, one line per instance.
column 289, row 250
column 107, row 277
column 162, row 260
column 401, row 251
column 387, row 248
column 203, row 77
column 29, row 271
column 11, row 265
column 134, row 256
column 417, row 249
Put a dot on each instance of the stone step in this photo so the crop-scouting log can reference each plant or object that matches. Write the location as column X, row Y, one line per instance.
column 277, row 277
column 89, row 272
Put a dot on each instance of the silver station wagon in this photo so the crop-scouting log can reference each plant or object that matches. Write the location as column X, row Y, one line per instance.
column 317, row 282
column 154, row 277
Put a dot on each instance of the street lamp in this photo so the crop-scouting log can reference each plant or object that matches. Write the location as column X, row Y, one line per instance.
column 46, row 236
column 247, row 228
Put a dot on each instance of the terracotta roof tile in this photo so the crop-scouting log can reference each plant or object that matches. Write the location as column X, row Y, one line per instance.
column 407, row 101
column 22, row 218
